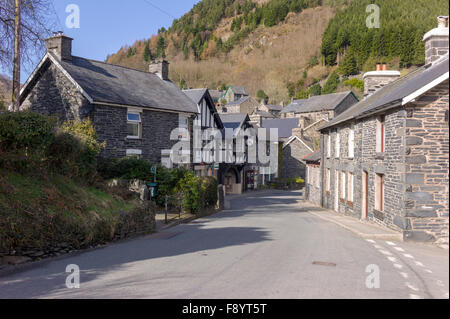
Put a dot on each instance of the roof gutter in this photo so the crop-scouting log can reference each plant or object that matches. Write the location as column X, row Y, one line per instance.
column 143, row 107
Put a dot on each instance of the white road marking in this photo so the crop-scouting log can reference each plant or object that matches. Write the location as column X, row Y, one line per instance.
column 384, row 252
column 428, row 271
column 377, row 246
column 399, row 249
column 404, row 275
column 440, row 283
column 393, row 259
column 418, row 263
column 398, row 266
column 411, row 287
column 390, row 243
column 408, row 256
column 371, row 241
column 412, row 296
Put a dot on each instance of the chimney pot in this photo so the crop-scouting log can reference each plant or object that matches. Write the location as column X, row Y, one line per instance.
column 378, row 67
column 442, row 21
column 384, row 67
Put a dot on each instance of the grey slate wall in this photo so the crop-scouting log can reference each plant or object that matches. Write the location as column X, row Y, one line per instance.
column 55, row 94
column 111, row 125
column 292, row 166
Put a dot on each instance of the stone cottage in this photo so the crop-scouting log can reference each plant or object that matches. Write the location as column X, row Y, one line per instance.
column 134, row 112
column 233, row 93
column 386, row 159
column 244, row 105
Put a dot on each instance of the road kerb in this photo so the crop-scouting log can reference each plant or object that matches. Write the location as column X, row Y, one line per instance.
column 398, row 237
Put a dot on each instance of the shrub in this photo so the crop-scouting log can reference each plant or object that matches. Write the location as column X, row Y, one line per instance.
column 194, row 192
column 211, row 197
column 27, row 131
column 74, row 150
column 355, row 83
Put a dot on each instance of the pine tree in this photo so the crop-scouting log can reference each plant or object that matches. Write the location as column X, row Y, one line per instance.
column 147, row 53
column 349, row 65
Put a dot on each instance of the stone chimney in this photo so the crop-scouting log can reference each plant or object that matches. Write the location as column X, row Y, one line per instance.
column 160, row 68
column 436, row 41
column 60, row 45
column 375, row 80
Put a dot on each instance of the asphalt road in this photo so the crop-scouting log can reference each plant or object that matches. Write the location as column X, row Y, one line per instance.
column 267, row 246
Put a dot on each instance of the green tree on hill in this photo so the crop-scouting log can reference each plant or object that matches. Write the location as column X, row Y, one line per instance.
column 262, row 96
column 331, row 84
column 147, row 53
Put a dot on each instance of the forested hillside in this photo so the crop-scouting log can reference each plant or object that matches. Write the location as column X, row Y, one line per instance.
column 403, row 24
column 287, row 48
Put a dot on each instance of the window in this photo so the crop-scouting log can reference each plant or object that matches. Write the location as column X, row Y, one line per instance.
column 381, row 134
column 134, row 125
column 351, row 143
column 329, row 146
column 328, row 180
column 342, row 186
column 350, row 182
column 379, row 192
column 338, row 145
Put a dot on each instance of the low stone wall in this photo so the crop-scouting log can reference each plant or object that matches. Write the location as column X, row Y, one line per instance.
column 140, row 221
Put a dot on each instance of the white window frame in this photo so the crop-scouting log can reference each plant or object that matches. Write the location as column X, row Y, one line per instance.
column 350, row 183
column 329, row 146
column 138, row 122
column 351, row 142
column 338, row 145
column 342, row 184
column 379, row 192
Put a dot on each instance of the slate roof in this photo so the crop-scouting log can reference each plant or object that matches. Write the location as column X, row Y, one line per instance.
column 313, row 157
column 195, row 95
column 234, row 120
column 276, row 108
column 215, row 94
column 264, row 114
column 393, row 93
column 108, row 83
column 239, row 102
column 284, row 126
column 317, row 103
column 239, row 89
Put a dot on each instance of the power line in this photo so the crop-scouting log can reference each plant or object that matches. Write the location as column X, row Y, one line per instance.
column 159, row 9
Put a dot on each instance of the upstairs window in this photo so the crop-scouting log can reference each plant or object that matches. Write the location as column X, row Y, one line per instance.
column 134, row 125
column 338, row 145
column 351, row 143
column 381, row 134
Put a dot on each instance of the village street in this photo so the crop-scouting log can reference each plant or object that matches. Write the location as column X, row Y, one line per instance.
column 267, row 246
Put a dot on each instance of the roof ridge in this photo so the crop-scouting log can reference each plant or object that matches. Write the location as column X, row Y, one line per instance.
column 116, row 65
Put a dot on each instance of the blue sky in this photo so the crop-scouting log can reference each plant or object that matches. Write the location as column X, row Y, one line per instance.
column 107, row 25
